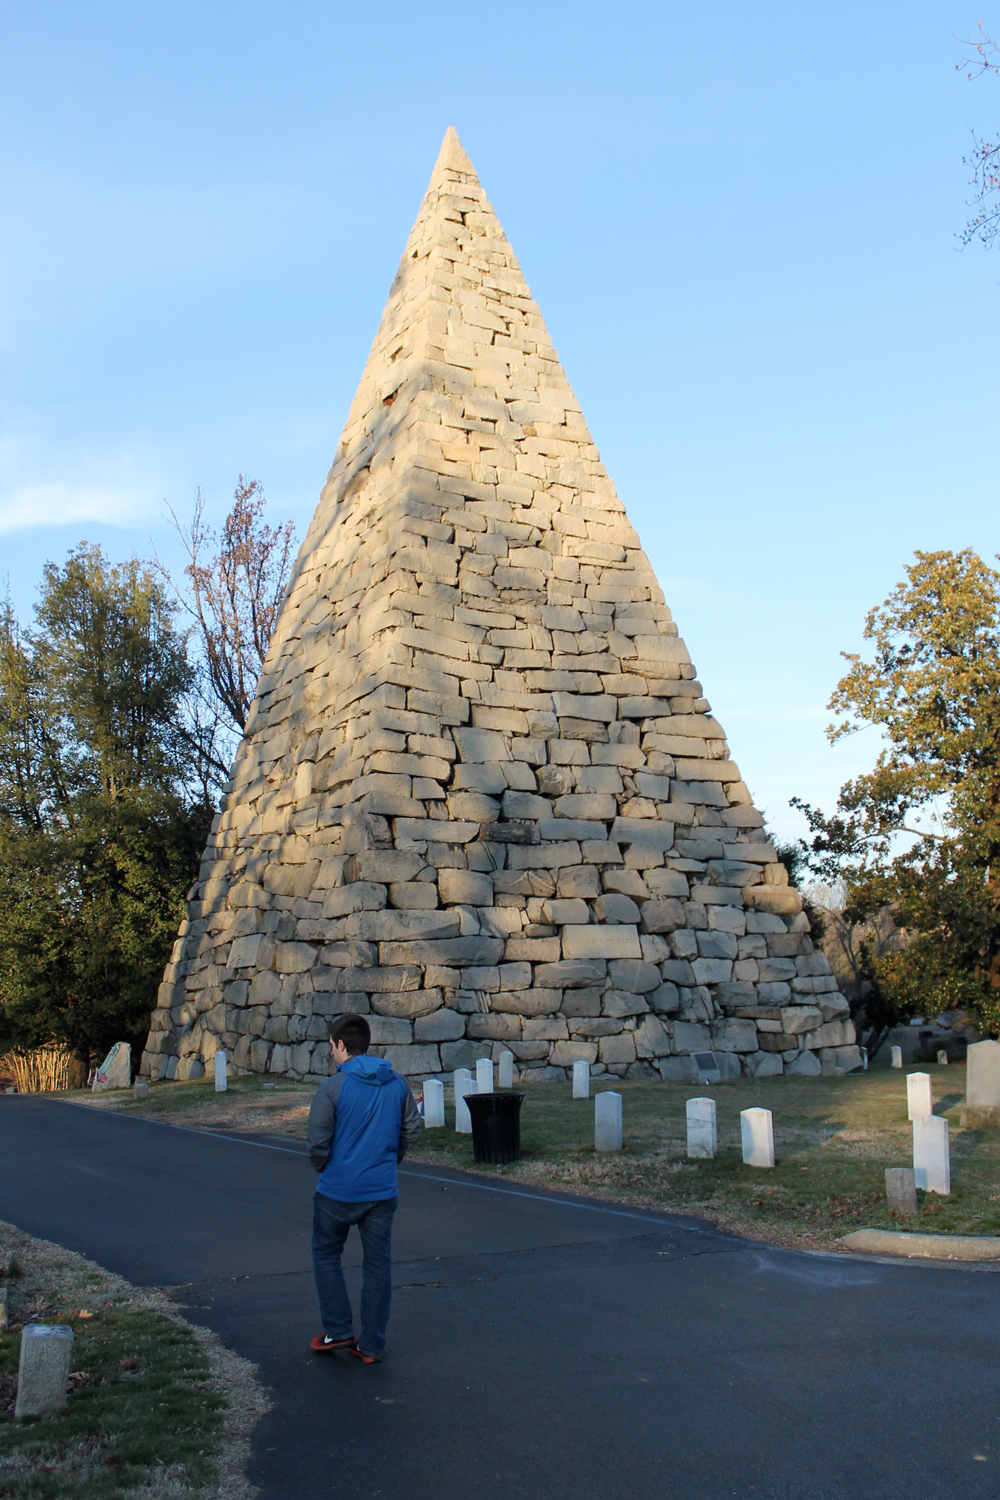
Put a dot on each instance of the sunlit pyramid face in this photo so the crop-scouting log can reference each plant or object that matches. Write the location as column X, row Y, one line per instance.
column 481, row 798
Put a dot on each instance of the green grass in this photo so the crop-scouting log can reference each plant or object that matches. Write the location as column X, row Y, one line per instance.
column 143, row 1403
column 169, row 1098
column 143, row 1414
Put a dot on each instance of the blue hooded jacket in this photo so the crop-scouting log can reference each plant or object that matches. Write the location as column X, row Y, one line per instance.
column 360, row 1123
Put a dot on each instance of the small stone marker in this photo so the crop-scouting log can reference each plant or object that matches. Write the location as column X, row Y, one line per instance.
column 608, row 1121
column 900, row 1190
column 931, row 1154
column 434, row 1104
column 505, row 1070
column 942, row 1058
column 757, row 1132
column 919, row 1099
column 3, row 1309
column 221, row 1082
column 46, row 1351
column 463, row 1086
column 982, row 1080
column 706, row 1065
column 115, row 1071
column 140, row 1088
column 896, row 1053
column 701, row 1133
column 581, row 1080
column 484, row 1076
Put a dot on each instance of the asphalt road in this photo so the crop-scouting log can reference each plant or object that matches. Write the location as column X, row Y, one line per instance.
column 540, row 1346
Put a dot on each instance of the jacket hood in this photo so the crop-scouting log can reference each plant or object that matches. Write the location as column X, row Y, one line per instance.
column 374, row 1070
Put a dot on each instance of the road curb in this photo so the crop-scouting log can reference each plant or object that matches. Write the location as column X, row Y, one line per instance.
column 966, row 1247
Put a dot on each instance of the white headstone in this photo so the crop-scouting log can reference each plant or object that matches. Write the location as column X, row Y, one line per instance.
column 919, row 1100
column 46, row 1351
column 942, row 1058
column 931, row 1154
column 221, row 1082
column 463, row 1086
column 608, row 1121
column 484, row 1076
column 434, row 1104
column 581, row 1080
column 757, row 1133
column 896, row 1053
column 982, row 1079
column 505, row 1070
column 115, row 1071
column 141, row 1088
column 701, row 1133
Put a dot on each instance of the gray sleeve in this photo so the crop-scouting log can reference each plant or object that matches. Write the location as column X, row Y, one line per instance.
column 410, row 1127
column 323, row 1121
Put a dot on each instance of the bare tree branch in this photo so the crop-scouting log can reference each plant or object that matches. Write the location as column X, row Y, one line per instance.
column 235, row 593
column 984, row 159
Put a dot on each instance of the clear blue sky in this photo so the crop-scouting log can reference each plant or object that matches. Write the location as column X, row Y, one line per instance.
column 739, row 223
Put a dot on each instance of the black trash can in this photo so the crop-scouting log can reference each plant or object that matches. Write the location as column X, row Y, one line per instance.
column 496, row 1126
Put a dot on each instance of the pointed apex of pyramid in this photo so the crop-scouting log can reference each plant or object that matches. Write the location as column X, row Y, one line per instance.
column 452, row 155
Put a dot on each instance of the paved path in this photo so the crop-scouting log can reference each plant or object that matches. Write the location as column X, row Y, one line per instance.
column 540, row 1347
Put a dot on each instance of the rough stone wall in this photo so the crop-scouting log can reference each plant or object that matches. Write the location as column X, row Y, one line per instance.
column 481, row 797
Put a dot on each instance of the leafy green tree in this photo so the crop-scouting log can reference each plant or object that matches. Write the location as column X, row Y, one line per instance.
column 920, row 832
column 101, row 828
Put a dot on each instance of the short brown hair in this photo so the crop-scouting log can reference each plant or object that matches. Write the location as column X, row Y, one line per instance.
column 353, row 1031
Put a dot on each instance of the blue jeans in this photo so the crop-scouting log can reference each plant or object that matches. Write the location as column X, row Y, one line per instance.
column 331, row 1224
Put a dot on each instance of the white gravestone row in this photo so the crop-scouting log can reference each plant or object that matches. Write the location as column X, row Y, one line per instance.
column 581, row 1080
column 608, row 1121
column 702, row 1140
column 757, row 1133
column 46, row 1351
column 433, row 1104
column 463, row 1086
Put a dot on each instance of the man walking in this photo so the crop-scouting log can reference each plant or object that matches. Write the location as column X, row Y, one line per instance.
column 360, row 1124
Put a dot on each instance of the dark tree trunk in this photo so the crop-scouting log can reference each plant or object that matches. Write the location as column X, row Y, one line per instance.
column 79, row 1067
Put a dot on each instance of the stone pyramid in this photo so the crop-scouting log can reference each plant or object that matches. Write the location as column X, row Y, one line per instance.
column 481, row 797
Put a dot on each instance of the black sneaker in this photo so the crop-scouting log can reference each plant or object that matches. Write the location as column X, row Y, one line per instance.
column 324, row 1344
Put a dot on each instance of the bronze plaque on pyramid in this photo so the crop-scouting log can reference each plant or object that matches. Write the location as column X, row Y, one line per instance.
column 481, row 798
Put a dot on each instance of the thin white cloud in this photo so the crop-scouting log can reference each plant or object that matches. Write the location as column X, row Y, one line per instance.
column 58, row 503
column 122, row 487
